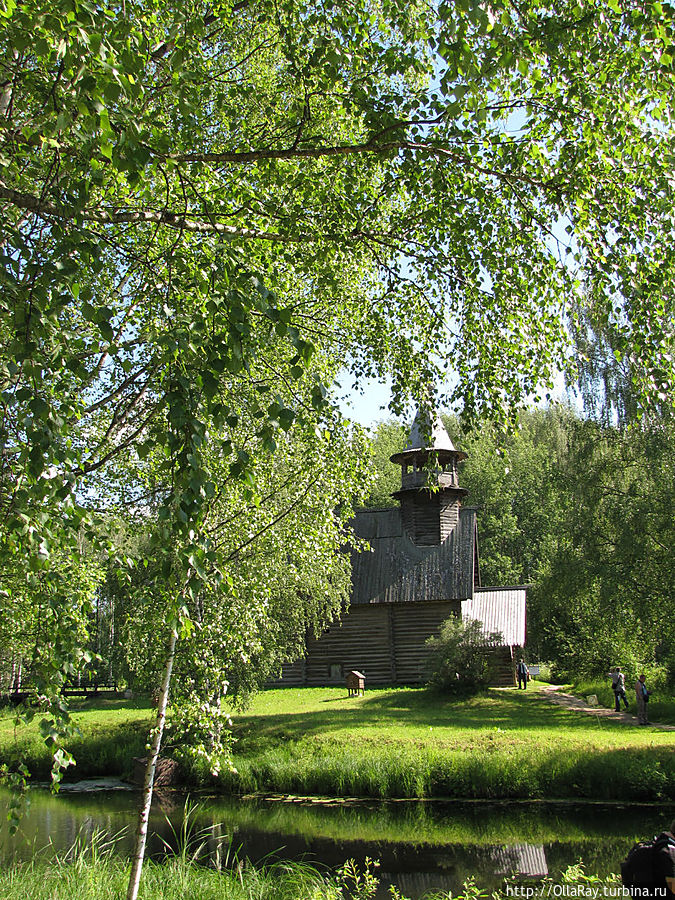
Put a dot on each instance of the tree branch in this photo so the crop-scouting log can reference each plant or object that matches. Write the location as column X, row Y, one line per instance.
column 33, row 204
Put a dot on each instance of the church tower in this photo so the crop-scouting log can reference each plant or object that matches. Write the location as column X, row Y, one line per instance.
column 430, row 494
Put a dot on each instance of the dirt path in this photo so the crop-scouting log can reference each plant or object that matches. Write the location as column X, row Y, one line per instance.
column 553, row 693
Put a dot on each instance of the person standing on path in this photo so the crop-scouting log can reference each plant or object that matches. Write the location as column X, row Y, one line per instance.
column 620, row 690
column 523, row 674
column 614, row 675
column 642, row 697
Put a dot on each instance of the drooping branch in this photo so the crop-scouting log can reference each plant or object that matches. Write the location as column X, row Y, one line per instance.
column 120, row 389
column 278, row 518
column 30, row 203
column 92, row 466
column 184, row 222
column 372, row 147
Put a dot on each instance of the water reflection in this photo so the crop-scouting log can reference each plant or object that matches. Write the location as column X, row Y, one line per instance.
column 528, row 860
column 420, row 846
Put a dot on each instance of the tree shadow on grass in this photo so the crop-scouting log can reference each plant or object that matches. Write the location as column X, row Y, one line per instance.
column 401, row 709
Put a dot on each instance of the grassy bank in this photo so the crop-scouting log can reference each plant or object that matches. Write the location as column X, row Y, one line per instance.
column 408, row 742
column 112, row 732
column 396, row 742
column 636, row 774
column 106, row 879
column 414, row 743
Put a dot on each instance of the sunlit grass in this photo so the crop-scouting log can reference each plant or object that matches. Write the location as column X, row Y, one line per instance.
column 411, row 742
column 174, row 880
column 418, row 717
column 393, row 742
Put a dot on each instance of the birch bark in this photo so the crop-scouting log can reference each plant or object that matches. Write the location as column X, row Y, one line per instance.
column 144, row 814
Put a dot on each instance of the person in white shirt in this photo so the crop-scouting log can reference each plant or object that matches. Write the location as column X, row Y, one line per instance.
column 620, row 690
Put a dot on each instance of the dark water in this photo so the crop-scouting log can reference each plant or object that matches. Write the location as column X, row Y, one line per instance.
column 420, row 846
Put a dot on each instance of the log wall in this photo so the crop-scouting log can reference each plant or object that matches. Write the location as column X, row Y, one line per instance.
column 419, row 513
column 396, row 570
column 384, row 641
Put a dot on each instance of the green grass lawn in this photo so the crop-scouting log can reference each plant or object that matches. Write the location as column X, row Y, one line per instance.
column 398, row 742
column 412, row 742
column 420, row 717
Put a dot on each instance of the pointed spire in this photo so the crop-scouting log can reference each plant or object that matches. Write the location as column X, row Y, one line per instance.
column 428, row 434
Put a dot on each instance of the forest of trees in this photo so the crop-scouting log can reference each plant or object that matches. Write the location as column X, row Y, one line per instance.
column 583, row 513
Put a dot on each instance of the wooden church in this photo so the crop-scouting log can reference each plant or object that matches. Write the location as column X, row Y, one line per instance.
column 422, row 567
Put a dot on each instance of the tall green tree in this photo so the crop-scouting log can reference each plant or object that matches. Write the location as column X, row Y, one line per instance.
column 386, row 439
column 604, row 590
column 517, row 482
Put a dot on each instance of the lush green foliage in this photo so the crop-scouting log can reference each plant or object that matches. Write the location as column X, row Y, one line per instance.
column 518, row 483
column 605, row 592
column 285, row 576
column 460, row 659
column 208, row 210
column 388, row 438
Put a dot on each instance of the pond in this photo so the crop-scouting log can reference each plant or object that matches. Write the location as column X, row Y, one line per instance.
column 420, row 846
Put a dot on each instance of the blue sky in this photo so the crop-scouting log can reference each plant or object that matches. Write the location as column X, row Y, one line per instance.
column 366, row 406
column 369, row 405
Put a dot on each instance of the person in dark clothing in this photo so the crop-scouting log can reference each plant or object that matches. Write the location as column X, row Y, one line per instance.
column 523, row 674
column 648, row 872
column 664, row 863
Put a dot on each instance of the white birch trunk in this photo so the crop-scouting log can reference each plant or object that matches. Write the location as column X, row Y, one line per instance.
column 144, row 814
column 6, row 90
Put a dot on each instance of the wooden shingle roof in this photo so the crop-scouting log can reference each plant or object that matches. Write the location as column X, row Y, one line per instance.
column 427, row 434
column 398, row 571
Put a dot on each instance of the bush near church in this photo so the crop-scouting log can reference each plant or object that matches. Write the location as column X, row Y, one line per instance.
column 460, row 658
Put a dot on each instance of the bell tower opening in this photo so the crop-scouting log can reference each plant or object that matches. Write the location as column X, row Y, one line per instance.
column 430, row 494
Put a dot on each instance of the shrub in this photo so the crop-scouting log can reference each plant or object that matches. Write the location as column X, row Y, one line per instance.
column 460, row 658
